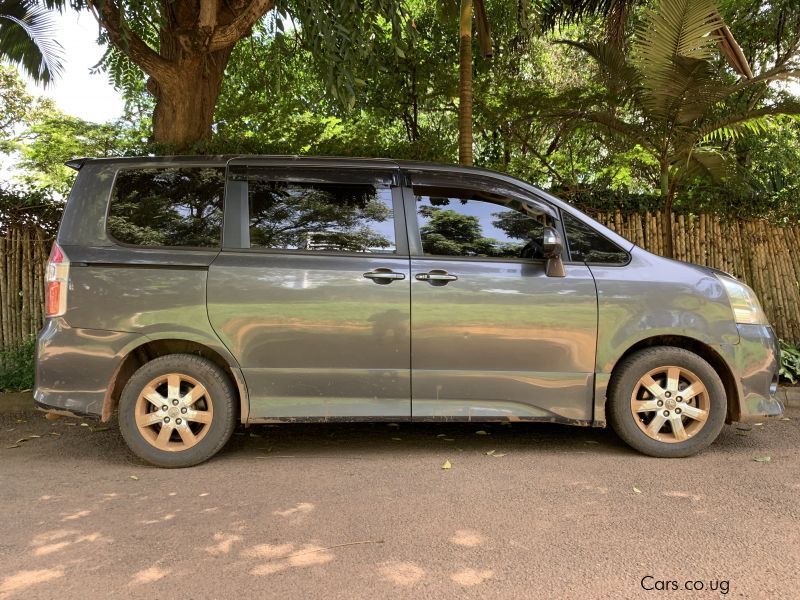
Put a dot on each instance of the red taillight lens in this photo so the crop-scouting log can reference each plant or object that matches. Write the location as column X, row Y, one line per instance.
column 57, row 279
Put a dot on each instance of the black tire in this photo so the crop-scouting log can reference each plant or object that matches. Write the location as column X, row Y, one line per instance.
column 221, row 396
column 624, row 383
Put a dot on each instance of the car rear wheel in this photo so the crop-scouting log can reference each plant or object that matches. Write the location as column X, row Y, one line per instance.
column 177, row 410
column 666, row 402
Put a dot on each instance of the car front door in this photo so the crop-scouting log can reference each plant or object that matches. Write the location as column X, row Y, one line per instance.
column 311, row 290
column 493, row 337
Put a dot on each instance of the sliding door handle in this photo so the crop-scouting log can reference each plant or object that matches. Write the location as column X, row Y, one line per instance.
column 384, row 276
column 436, row 276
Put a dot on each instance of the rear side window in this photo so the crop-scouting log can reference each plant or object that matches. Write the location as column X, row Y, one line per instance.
column 324, row 217
column 168, row 207
column 587, row 245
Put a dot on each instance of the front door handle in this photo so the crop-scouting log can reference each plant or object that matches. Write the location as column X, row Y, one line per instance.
column 384, row 276
column 436, row 277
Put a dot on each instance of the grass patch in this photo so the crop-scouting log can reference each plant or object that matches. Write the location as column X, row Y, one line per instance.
column 17, row 366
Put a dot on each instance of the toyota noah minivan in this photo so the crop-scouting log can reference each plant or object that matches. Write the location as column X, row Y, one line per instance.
column 186, row 295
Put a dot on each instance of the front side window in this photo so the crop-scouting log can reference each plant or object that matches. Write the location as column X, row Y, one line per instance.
column 167, row 207
column 328, row 217
column 468, row 223
column 587, row 245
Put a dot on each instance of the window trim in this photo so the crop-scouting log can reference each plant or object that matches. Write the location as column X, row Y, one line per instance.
column 110, row 199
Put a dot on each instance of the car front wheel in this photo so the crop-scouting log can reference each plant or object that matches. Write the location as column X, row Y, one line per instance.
column 666, row 402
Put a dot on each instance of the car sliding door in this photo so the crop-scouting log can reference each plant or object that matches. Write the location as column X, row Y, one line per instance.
column 311, row 291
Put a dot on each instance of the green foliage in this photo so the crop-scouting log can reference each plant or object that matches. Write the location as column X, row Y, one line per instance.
column 17, row 367
column 52, row 138
column 790, row 361
column 15, row 105
column 671, row 100
column 26, row 39
column 23, row 206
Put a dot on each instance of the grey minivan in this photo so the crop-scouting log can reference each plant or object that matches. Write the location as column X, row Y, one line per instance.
column 189, row 294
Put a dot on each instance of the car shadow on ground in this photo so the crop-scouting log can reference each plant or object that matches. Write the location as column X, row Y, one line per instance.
column 30, row 433
column 87, row 438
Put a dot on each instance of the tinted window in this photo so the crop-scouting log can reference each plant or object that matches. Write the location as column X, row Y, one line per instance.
column 457, row 223
column 332, row 217
column 587, row 245
column 167, row 207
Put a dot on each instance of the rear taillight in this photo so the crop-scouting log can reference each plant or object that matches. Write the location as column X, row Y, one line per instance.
column 57, row 280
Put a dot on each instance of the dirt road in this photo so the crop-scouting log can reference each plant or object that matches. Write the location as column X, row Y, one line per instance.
column 366, row 511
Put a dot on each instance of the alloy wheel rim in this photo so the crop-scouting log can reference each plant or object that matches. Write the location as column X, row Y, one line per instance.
column 174, row 412
column 670, row 404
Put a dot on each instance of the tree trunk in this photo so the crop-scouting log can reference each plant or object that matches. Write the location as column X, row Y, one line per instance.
column 667, row 197
column 185, row 70
column 185, row 103
column 465, row 84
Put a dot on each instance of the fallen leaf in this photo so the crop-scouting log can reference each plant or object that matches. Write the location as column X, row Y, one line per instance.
column 637, row 490
column 20, row 440
column 398, row 439
column 134, row 477
column 498, row 455
column 393, row 425
column 33, row 436
column 13, row 446
column 481, row 432
column 442, row 435
column 449, row 439
column 590, row 442
column 84, row 424
column 446, row 465
column 55, row 433
column 490, row 452
column 757, row 424
column 762, row 459
column 786, row 418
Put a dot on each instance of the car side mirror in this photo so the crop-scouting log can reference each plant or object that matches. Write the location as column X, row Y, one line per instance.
column 553, row 247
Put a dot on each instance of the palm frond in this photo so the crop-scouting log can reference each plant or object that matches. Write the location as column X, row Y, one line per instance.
column 26, row 39
column 622, row 79
column 753, row 122
column 709, row 163
column 673, row 35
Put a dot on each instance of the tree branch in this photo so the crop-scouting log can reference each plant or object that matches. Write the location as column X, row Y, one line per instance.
column 228, row 35
column 109, row 17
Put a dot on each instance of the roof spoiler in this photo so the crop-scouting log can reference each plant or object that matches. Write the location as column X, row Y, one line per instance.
column 76, row 163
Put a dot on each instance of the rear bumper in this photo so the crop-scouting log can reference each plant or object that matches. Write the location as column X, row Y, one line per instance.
column 754, row 362
column 75, row 366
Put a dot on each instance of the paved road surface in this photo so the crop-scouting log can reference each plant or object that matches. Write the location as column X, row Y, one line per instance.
column 366, row 511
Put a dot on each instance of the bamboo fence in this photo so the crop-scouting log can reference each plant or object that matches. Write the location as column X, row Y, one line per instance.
column 23, row 256
column 765, row 256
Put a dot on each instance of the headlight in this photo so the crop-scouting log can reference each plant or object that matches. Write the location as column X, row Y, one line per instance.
column 745, row 305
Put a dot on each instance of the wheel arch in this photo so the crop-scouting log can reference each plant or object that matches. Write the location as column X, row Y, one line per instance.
column 150, row 349
column 704, row 351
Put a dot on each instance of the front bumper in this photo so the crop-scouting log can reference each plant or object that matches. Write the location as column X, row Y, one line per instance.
column 754, row 362
column 74, row 367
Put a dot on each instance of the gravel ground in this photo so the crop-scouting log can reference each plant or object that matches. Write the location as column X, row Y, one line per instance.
column 367, row 511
